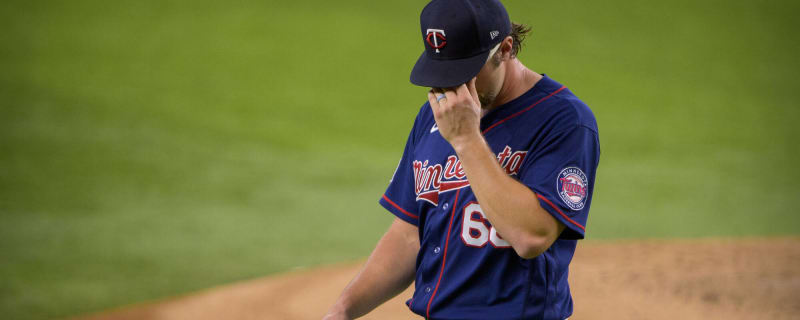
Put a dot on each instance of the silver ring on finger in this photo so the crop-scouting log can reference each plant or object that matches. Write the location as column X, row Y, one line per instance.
column 440, row 97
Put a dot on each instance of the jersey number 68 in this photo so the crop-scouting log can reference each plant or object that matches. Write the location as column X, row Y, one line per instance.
column 474, row 230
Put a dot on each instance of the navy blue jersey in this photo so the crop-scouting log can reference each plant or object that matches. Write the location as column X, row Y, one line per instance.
column 547, row 139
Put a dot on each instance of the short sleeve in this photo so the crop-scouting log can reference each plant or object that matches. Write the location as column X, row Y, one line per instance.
column 399, row 197
column 561, row 171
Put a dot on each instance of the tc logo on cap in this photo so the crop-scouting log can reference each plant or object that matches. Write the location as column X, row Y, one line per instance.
column 436, row 39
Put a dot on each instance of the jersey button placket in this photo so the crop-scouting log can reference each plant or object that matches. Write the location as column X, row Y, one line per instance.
column 437, row 250
column 445, row 206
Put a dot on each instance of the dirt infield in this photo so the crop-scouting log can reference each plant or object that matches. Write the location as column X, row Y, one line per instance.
column 678, row 279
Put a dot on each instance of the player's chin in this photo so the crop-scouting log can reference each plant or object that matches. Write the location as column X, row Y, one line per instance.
column 486, row 100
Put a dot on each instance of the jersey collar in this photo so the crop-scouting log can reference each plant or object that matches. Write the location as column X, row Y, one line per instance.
column 545, row 86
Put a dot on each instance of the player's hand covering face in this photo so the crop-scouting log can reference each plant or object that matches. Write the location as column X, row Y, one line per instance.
column 457, row 112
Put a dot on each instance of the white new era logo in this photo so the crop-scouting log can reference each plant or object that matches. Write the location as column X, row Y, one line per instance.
column 494, row 34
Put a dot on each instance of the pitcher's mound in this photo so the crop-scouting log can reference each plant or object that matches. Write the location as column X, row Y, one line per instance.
column 677, row 279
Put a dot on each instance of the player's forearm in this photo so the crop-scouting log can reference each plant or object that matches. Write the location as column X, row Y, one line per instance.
column 511, row 207
column 388, row 271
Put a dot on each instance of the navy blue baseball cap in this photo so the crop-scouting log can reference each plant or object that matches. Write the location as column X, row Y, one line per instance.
column 458, row 36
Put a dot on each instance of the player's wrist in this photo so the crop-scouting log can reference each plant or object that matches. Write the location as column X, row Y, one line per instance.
column 467, row 143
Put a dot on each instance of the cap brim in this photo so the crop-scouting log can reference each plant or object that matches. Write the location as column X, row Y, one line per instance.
column 434, row 73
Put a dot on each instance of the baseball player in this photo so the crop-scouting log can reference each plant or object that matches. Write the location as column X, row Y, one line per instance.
column 495, row 183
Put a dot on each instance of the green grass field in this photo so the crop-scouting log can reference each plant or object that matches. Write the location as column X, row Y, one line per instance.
column 152, row 148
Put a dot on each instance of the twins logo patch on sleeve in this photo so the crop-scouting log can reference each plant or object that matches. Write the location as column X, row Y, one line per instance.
column 573, row 187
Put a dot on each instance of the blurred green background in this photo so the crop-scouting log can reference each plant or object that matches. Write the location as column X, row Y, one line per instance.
column 152, row 148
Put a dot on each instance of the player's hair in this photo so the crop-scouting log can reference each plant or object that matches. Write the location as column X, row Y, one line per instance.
column 518, row 33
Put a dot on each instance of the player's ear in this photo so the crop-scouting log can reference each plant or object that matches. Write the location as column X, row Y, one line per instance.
column 506, row 48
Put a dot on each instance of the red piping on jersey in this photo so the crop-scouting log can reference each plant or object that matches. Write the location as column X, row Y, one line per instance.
column 523, row 110
column 560, row 212
column 444, row 257
column 399, row 208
